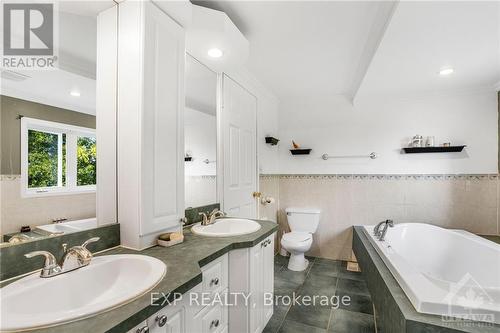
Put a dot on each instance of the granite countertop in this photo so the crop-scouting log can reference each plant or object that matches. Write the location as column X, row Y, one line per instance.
column 183, row 273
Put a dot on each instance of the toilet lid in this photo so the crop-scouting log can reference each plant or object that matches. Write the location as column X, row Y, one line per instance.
column 297, row 236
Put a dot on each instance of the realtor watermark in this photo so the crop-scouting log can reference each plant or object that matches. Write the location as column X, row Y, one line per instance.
column 245, row 299
column 29, row 36
column 467, row 301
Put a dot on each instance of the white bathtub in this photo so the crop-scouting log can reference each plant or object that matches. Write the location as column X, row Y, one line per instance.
column 451, row 273
column 69, row 227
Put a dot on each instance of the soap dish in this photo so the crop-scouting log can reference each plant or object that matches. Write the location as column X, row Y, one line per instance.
column 170, row 239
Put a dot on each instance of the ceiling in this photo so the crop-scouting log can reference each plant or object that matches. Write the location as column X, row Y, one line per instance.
column 425, row 37
column 312, row 49
column 201, row 87
column 76, row 60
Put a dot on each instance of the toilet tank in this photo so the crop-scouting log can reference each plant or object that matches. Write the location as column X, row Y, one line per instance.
column 303, row 219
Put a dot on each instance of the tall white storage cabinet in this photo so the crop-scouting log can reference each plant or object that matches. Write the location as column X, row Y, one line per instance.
column 151, row 57
column 251, row 271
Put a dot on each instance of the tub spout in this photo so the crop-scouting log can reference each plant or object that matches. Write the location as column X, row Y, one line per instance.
column 376, row 231
column 387, row 224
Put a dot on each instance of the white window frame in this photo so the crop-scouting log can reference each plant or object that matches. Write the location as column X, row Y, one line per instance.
column 72, row 133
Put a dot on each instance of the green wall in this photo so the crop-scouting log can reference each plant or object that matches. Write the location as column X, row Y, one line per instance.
column 10, row 126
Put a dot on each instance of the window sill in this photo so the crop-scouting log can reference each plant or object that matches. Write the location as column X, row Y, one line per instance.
column 53, row 192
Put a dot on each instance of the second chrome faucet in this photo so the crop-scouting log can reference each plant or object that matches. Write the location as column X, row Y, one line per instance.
column 73, row 258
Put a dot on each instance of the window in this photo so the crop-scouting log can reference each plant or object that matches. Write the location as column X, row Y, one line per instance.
column 57, row 158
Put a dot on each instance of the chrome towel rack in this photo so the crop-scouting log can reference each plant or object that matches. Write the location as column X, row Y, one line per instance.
column 372, row 155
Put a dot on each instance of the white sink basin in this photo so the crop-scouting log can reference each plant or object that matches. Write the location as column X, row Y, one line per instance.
column 108, row 282
column 227, row 227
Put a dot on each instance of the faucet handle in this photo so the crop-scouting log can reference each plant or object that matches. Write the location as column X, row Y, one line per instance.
column 50, row 267
column 91, row 240
column 50, row 260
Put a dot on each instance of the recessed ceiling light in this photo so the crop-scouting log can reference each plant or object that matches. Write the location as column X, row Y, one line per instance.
column 215, row 53
column 446, row 71
column 75, row 93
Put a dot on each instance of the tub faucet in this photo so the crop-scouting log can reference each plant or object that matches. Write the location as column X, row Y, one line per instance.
column 388, row 223
column 376, row 231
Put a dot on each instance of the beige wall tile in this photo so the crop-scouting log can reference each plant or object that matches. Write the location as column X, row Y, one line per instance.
column 17, row 211
column 460, row 203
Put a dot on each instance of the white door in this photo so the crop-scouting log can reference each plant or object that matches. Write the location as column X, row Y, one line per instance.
column 239, row 128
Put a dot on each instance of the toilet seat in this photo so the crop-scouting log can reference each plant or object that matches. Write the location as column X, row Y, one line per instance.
column 297, row 241
column 297, row 236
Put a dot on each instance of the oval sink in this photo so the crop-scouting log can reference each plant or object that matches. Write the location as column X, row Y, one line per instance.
column 108, row 282
column 227, row 227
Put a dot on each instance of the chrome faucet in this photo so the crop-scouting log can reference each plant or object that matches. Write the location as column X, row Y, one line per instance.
column 376, row 230
column 50, row 267
column 209, row 218
column 388, row 223
column 77, row 256
column 73, row 258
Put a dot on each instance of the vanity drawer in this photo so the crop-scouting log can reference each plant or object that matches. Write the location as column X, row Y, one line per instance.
column 215, row 275
column 214, row 320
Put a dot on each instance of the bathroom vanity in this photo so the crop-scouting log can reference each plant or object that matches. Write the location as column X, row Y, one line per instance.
column 211, row 265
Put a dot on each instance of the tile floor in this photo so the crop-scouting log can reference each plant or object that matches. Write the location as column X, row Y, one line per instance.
column 322, row 277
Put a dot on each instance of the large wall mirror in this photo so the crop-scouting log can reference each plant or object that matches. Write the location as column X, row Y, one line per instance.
column 49, row 141
column 200, row 135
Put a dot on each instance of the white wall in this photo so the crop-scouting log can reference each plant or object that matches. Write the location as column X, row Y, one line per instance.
column 384, row 125
column 200, row 139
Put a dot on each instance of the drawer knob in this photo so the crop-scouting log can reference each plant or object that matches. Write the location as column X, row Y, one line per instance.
column 162, row 320
column 215, row 281
column 214, row 323
column 143, row 329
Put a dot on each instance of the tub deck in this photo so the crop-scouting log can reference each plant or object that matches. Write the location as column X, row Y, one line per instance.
column 395, row 313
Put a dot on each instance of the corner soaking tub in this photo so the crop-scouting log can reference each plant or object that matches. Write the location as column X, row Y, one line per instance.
column 452, row 273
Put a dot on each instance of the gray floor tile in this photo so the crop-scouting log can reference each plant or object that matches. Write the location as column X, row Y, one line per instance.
column 319, row 285
column 353, row 286
column 309, row 315
column 290, row 326
column 343, row 321
column 357, row 303
column 285, row 287
column 291, row 276
column 326, row 269
column 281, row 260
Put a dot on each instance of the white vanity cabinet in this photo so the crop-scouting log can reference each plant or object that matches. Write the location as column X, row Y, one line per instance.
column 251, row 272
column 216, row 305
column 196, row 311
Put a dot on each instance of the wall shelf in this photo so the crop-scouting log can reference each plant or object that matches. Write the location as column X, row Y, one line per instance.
column 300, row 151
column 272, row 140
column 420, row 150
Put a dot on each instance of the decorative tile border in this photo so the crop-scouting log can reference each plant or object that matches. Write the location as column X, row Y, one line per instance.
column 9, row 177
column 471, row 177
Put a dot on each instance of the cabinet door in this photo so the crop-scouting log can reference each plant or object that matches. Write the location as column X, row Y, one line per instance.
column 268, row 277
column 162, row 146
column 256, row 298
column 171, row 319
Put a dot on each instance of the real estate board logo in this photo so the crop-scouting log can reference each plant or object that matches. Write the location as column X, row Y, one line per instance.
column 467, row 303
column 28, row 35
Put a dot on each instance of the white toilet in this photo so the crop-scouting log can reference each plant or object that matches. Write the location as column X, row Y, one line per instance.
column 303, row 223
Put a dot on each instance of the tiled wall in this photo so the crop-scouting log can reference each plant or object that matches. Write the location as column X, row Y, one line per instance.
column 17, row 211
column 469, row 202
